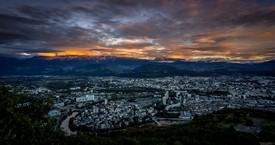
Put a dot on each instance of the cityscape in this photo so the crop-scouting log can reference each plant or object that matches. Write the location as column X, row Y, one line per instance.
column 110, row 103
column 137, row 72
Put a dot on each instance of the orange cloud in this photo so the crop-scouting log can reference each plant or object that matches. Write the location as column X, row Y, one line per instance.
column 69, row 53
column 205, row 40
column 232, row 44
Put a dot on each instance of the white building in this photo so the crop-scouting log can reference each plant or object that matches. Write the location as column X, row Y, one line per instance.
column 59, row 104
column 95, row 109
column 186, row 115
column 54, row 113
column 105, row 101
column 172, row 106
column 164, row 99
column 86, row 98
column 166, row 94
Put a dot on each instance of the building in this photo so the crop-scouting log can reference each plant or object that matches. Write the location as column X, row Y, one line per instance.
column 185, row 115
column 164, row 99
column 90, row 97
column 54, row 113
column 172, row 106
column 59, row 104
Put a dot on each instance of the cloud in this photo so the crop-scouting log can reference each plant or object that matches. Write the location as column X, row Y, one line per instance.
column 7, row 36
column 12, row 28
column 17, row 19
column 257, row 17
column 185, row 29
column 48, row 14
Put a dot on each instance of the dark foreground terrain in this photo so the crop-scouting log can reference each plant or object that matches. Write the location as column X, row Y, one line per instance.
column 23, row 123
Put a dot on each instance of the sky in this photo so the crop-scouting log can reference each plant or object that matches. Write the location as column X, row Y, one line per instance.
column 230, row 30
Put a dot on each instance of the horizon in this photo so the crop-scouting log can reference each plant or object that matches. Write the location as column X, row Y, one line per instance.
column 119, row 72
column 161, row 60
column 212, row 30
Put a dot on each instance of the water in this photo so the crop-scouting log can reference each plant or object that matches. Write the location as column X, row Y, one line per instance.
column 65, row 124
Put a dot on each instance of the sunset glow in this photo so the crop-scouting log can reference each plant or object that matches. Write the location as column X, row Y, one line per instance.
column 229, row 30
column 68, row 53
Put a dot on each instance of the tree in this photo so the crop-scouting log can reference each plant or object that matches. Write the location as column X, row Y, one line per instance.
column 249, row 122
column 23, row 120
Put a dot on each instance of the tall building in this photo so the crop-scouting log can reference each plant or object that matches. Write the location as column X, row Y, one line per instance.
column 90, row 97
column 164, row 99
column 166, row 94
column 105, row 101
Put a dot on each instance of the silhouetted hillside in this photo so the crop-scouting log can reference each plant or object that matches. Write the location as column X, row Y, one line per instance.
column 128, row 67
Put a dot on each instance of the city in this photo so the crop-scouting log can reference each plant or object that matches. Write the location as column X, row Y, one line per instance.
column 137, row 72
column 111, row 103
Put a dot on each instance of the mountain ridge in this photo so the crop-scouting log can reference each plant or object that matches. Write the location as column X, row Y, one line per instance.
column 128, row 67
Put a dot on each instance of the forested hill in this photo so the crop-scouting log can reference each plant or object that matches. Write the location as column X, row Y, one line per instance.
column 28, row 125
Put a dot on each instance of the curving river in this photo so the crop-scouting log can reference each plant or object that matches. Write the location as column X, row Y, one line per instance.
column 65, row 124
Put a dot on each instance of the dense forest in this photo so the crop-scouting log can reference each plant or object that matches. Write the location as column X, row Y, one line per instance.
column 23, row 121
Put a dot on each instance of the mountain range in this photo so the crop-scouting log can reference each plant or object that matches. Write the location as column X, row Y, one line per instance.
column 128, row 67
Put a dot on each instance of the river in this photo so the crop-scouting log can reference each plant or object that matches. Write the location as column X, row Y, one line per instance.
column 65, row 124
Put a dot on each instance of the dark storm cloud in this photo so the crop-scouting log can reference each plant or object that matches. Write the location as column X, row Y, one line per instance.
column 122, row 2
column 5, row 19
column 263, row 16
column 44, row 13
column 101, row 13
column 7, row 35
column 106, row 11
column 130, row 45
column 12, row 28
column 147, row 28
column 29, row 49
column 42, row 24
column 169, row 28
